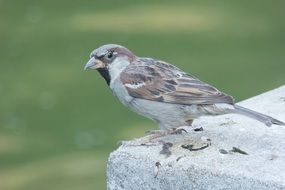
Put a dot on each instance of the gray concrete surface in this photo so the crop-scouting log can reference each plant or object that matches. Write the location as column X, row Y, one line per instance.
column 256, row 162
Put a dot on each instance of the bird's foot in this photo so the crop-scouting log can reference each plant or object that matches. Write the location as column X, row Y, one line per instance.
column 178, row 131
column 162, row 133
column 158, row 134
column 154, row 132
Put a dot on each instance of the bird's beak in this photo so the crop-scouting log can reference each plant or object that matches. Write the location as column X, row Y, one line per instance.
column 94, row 63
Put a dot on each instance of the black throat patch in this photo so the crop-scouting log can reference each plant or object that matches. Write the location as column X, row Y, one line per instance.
column 105, row 74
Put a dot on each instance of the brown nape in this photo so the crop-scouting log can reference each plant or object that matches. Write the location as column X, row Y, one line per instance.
column 125, row 51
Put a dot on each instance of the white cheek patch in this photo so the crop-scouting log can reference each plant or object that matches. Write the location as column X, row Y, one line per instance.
column 135, row 86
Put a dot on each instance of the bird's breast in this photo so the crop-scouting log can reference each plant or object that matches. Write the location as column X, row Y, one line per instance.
column 120, row 91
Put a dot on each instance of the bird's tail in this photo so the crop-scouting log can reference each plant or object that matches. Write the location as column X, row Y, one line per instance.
column 267, row 120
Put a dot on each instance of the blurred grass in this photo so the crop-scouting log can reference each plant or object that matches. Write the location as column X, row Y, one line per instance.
column 59, row 123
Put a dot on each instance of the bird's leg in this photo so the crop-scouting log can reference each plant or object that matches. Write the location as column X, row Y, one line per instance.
column 180, row 130
column 189, row 122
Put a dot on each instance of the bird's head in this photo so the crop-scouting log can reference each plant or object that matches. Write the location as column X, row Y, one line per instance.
column 109, row 60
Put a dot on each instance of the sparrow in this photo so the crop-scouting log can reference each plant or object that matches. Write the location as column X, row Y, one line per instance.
column 162, row 92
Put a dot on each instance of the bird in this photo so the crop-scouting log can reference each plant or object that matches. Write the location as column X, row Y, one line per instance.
column 161, row 91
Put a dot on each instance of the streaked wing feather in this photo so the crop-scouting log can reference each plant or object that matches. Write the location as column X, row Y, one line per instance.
column 166, row 83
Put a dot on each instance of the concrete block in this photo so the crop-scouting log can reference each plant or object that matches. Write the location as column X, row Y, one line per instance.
column 231, row 152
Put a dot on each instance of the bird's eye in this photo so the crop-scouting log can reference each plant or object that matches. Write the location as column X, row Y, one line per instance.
column 110, row 55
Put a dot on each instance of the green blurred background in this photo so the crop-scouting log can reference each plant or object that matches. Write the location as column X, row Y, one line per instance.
column 58, row 123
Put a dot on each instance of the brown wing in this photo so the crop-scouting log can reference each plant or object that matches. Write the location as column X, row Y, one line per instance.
column 159, row 81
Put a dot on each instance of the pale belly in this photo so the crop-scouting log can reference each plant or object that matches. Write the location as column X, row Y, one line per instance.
column 166, row 115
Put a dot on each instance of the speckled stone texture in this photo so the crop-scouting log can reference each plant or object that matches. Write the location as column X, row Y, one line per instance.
column 236, row 153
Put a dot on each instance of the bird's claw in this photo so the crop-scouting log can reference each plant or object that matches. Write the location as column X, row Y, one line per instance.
column 178, row 131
